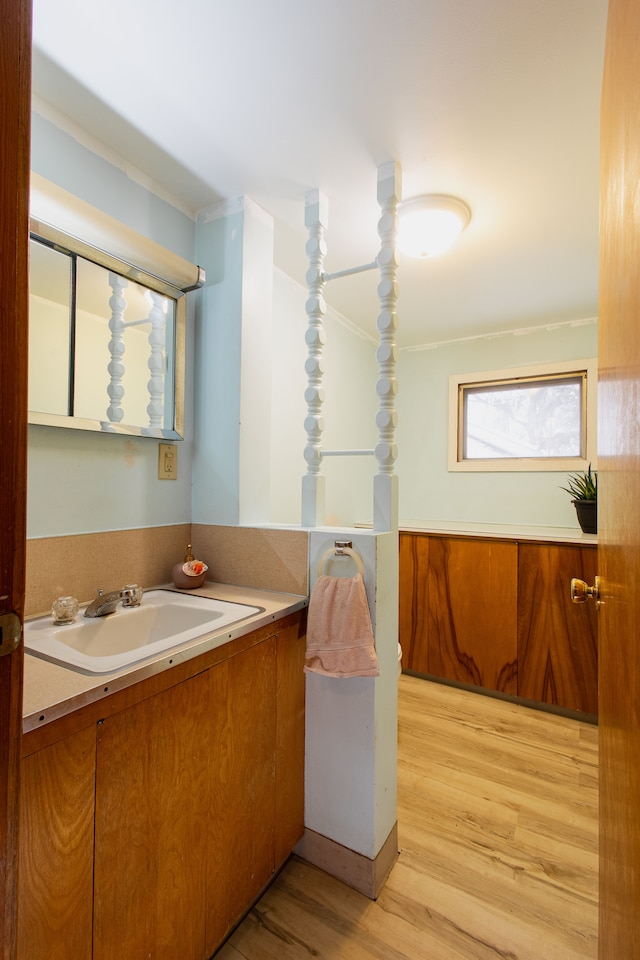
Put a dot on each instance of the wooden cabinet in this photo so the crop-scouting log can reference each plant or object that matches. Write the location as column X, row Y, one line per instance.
column 151, row 832
column 557, row 639
column 496, row 614
column 55, row 879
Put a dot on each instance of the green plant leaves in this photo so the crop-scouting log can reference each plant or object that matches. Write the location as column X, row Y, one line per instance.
column 583, row 486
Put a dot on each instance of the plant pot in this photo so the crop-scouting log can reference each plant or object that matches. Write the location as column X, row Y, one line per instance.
column 587, row 512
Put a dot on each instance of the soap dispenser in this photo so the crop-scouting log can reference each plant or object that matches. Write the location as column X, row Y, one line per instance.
column 189, row 573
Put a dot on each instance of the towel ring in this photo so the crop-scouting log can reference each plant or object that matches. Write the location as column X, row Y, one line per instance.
column 346, row 551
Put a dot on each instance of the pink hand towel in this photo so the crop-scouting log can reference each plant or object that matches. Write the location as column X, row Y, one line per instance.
column 339, row 633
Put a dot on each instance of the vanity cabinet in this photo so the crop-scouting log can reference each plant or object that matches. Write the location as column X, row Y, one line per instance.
column 496, row 614
column 151, row 832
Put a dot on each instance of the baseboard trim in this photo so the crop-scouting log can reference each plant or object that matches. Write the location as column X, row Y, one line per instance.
column 509, row 697
column 357, row 871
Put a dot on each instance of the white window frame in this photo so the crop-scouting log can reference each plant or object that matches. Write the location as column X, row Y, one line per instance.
column 588, row 368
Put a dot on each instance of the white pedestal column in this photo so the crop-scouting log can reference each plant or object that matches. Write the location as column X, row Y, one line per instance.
column 351, row 732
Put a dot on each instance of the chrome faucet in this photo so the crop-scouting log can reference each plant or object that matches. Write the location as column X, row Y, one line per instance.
column 104, row 603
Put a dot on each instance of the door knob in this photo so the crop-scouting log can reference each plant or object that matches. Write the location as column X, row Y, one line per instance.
column 581, row 591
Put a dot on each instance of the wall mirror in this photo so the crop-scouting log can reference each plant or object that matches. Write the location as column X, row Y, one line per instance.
column 106, row 338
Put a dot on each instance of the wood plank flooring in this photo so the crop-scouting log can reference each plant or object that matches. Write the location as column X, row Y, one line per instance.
column 498, row 828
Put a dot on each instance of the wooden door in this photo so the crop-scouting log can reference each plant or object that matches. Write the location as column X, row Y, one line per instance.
column 151, row 827
column 55, row 903
column 242, row 786
column 619, row 500
column 15, row 109
column 290, row 679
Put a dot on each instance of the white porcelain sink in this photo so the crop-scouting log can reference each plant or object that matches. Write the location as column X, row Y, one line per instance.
column 165, row 619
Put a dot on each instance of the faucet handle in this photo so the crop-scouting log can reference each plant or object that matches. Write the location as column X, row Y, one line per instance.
column 131, row 595
column 64, row 610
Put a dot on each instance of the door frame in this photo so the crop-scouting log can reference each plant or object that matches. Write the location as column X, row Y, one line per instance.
column 15, row 127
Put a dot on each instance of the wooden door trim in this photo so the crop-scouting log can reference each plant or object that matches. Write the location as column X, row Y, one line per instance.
column 15, row 125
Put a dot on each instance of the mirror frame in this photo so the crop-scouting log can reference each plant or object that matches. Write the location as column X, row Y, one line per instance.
column 75, row 219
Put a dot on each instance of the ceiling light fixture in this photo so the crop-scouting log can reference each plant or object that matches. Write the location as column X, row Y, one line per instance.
column 430, row 224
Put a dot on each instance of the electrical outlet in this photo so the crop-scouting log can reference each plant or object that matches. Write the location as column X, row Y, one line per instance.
column 167, row 461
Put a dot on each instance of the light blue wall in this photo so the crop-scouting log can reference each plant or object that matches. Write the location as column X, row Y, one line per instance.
column 349, row 411
column 83, row 482
column 59, row 157
column 80, row 482
column 218, row 342
column 235, row 386
column 427, row 490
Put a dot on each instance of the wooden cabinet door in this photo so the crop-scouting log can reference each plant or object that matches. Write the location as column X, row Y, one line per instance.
column 414, row 601
column 557, row 639
column 151, row 827
column 472, row 632
column 55, row 889
column 242, row 695
column 289, row 815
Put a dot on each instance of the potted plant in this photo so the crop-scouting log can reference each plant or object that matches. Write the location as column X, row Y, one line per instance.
column 583, row 488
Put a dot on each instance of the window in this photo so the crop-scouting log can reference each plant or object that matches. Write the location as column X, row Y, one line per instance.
column 535, row 418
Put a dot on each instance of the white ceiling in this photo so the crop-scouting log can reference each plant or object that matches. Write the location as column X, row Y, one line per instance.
column 494, row 101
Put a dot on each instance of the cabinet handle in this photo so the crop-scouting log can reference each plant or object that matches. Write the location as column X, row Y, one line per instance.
column 581, row 591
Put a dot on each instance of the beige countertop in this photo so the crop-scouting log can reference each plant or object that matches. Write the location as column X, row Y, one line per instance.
column 51, row 691
column 500, row 531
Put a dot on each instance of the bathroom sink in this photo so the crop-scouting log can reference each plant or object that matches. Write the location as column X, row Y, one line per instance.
column 164, row 620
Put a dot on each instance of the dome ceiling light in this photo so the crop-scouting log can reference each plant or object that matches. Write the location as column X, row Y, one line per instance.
column 430, row 224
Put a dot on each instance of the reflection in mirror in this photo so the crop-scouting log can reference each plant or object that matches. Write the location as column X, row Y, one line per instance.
column 102, row 346
column 131, row 328
column 50, row 330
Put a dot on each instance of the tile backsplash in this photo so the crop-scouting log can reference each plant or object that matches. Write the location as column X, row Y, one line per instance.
column 259, row 557
column 79, row 564
column 82, row 563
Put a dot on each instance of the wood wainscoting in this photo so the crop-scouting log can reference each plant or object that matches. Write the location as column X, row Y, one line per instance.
column 557, row 639
column 472, row 612
column 497, row 615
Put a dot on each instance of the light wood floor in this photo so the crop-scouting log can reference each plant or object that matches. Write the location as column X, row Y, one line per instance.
column 497, row 818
